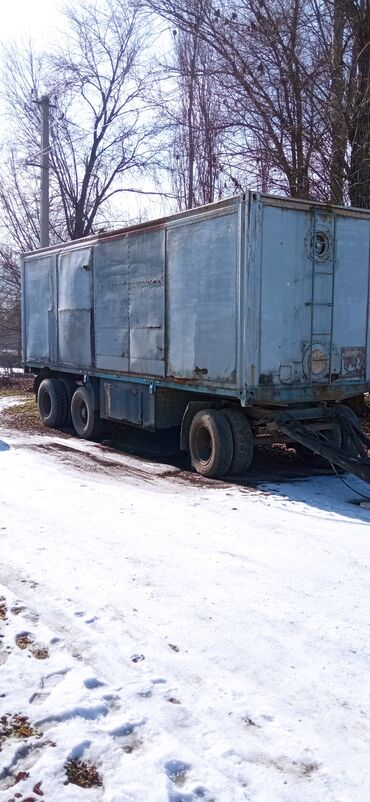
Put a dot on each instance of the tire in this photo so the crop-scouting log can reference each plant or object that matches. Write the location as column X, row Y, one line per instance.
column 211, row 443
column 69, row 386
column 85, row 419
column 52, row 402
column 243, row 445
column 333, row 437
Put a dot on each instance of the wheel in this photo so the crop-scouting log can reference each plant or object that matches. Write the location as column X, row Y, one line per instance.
column 52, row 403
column 333, row 437
column 211, row 443
column 69, row 386
column 85, row 419
column 243, row 445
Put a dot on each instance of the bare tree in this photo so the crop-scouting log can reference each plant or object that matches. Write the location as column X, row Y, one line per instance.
column 10, row 336
column 195, row 121
column 268, row 70
column 358, row 15
column 102, row 134
column 339, row 132
column 295, row 81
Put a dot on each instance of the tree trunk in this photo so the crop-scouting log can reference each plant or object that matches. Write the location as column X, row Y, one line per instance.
column 338, row 124
column 360, row 135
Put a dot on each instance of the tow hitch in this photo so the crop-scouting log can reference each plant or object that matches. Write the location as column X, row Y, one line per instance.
column 352, row 455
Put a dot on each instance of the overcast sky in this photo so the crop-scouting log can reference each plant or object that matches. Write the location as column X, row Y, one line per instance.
column 38, row 20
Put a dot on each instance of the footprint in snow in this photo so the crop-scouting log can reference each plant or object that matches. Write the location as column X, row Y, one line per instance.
column 177, row 771
column 89, row 713
column 92, row 682
column 38, row 698
column 126, row 736
column 193, row 796
column 53, row 679
column 31, row 582
column 20, row 609
column 26, row 640
column 49, row 681
column 23, row 760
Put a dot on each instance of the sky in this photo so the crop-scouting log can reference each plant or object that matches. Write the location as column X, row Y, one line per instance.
column 41, row 22
column 37, row 20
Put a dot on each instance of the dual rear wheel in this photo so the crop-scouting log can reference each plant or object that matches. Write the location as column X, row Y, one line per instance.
column 220, row 442
column 60, row 401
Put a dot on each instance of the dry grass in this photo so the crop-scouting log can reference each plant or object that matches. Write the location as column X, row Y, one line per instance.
column 17, row 726
column 83, row 774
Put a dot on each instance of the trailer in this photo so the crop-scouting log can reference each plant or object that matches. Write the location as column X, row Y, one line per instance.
column 240, row 323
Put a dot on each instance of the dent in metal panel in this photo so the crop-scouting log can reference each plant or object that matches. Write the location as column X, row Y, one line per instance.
column 39, row 308
column 202, row 298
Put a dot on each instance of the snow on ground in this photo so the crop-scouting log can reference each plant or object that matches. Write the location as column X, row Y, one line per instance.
column 10, row 401
column 192, row 641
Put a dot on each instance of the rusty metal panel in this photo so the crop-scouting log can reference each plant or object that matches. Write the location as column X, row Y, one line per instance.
column 39, row 309
column 75, row 307
column 202, row 281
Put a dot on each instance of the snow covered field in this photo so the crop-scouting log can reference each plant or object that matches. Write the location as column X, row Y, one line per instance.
column 191, row 640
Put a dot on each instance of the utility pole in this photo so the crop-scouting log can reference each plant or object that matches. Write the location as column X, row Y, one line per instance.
column 45, row 150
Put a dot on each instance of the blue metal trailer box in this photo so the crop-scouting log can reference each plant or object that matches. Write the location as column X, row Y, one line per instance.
column 256, row 300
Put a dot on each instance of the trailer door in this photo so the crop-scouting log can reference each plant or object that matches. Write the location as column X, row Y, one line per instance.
column 75, row 308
